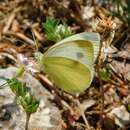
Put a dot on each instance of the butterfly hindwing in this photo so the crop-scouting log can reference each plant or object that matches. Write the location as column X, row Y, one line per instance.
column 69, row 75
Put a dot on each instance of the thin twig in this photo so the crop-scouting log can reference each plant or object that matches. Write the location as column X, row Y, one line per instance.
column 38, row 35
column 102, row 94
column 21, row 36
column 10, row 20
column 8, row 24
column 48, row 84
column 83, row 115
column 27, row 121
column 98, row 66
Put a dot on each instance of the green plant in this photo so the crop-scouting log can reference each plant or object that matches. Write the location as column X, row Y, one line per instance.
column 17, row 87
column 104, row 74
column 54, row 31
column 24, row 98
column 30, row 105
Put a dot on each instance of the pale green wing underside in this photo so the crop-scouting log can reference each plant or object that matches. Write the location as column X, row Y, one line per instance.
column 69, row 75
column 94, row 38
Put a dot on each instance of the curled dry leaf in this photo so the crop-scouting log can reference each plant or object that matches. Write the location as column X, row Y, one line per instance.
column 120, row 115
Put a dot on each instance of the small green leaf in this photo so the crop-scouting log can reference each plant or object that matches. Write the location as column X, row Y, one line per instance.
column 20, row 71
column 54, row 31
column 104, row 74
column 17, row 87
column 29, row 103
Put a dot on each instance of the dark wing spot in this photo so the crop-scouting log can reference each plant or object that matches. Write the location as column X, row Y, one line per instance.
column 79, row 55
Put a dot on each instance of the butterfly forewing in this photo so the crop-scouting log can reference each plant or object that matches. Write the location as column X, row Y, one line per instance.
column 81, row 51
column 94, row 38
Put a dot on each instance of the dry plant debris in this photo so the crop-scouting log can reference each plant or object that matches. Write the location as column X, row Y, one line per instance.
column 106, row 103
